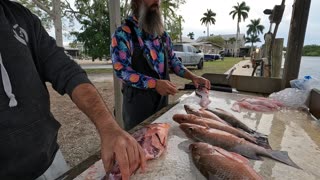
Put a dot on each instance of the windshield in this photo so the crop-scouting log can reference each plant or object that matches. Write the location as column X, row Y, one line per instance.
column 178, row 47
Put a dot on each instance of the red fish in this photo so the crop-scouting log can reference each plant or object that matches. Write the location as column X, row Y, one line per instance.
column 216, row 163
column 193, row 119
column 262, row 139
column 232, row 143
column 153, row 140
column 203, row 113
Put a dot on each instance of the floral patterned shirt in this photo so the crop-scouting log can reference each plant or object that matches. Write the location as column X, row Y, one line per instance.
column 122, row 50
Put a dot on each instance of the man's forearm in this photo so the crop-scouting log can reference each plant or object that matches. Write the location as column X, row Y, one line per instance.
column 189, row 75
column 89, row 101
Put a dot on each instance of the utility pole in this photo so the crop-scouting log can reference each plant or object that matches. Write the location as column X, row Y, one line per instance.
column 114, row 12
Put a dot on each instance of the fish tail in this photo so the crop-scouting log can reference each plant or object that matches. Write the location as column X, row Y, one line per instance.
column 282, row 156
column 262, row 139
column 245, row 128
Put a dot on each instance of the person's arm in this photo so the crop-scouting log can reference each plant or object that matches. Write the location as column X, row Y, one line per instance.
column 121, row 54
column 67, row 77
column 116, row 144
column 179, row 69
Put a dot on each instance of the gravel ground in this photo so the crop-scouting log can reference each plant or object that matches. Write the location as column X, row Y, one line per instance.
column 78, row 138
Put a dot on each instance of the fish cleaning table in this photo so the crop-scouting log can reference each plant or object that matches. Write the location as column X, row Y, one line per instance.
column 288, row 130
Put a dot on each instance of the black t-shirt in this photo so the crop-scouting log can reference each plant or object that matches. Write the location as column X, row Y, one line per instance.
column 28, row 132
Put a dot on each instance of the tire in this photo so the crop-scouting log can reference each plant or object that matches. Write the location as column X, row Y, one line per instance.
column 200, row 65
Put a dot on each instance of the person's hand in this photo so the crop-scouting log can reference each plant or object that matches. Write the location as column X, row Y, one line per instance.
column 197, row 80
column 116, row 144
column 165, row 87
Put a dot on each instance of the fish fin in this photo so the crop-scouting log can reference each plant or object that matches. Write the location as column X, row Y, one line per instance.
column 263, row 142
column 282, row 156
column 252, row 155
column 212, row 176
column 262, row 139
column 205, row 125
column 258, row 134
column 240, row 158
column 221, row 110
column 236, row 107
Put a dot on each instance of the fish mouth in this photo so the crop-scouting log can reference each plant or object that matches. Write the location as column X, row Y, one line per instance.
column 187, row 108
column 192, row 147
column 187, row 129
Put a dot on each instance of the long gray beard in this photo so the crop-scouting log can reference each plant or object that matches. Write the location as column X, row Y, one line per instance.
column 151, row 21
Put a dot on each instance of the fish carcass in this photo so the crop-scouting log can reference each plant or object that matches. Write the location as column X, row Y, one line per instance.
column 153, row 140
column 203, row 93
column 216, row 163
column 232, row 143
column 257, row 104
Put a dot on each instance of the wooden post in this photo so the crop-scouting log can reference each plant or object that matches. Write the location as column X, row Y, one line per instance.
column 277, row 57
column 266, row 50
column 298, row 26
column 114, row 12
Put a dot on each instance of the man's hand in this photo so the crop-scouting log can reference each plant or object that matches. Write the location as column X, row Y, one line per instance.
column 118, row 145
column 165, row 87
column 197, row 80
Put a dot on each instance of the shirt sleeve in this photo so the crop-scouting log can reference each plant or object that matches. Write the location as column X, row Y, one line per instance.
column 55, row 66
column 121, row 59
column 174, row 63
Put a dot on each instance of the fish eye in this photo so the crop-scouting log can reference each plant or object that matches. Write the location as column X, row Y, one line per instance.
column 190, row 129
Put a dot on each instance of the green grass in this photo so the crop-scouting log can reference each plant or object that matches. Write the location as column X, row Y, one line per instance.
column 98, row 71
column 217, row 67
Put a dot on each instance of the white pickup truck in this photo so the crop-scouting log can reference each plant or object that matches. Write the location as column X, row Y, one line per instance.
column 189, row 55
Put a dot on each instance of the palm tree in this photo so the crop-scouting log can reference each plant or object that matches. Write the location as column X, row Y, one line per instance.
column 255, row 27
column 252, row 38
column 168, row 9
column 191, row 35
column 241, row 11
column 208, row 19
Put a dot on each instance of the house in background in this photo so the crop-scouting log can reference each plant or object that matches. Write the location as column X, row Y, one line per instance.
column 205, row 47
column 74, row 51
column 229, row 45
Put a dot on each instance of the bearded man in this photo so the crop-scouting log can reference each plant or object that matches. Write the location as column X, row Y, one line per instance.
column 142, row 55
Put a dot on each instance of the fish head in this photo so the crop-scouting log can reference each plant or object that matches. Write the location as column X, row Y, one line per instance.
column 153, row 139
column 190, row 110
column 201, row 148
column 179, row 118
column 160, row 132
column 192, row 130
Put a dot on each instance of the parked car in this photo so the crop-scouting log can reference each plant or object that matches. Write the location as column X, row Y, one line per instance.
column 189, row 55
column 211, row 57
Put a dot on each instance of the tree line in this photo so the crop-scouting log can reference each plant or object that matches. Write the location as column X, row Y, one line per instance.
column 93, row 16
column 311, row 50
column 239, row 13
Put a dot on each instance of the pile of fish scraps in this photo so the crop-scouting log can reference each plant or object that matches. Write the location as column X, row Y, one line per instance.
column 223, row 144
